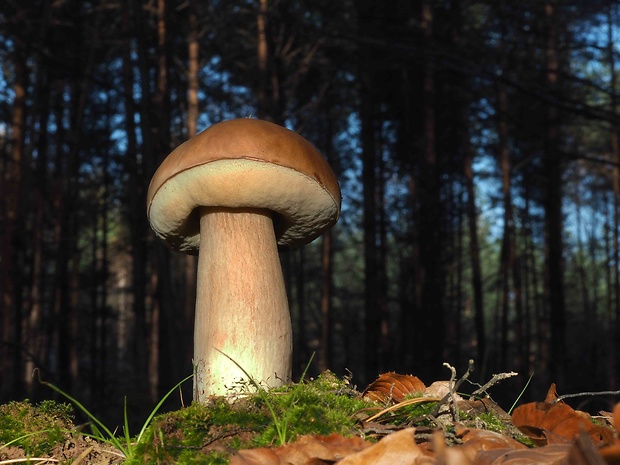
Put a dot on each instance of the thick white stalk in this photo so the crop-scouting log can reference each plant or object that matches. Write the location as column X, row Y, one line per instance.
column 241, row 304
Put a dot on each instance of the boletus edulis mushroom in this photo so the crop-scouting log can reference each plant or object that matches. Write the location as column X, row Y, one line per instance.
column 232, row 194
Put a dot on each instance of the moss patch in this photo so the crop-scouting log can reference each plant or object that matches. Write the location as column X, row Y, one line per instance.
column 206, row 433
column 35, row 428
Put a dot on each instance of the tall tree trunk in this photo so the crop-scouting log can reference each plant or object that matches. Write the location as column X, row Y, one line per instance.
column 193, row 52
column 11, row 363
column 188, row 265
column 430, row 322
column 327, row 258
column 511, row 294
column 161, row 292
column 65, row 302
column 141, row 168
column 553, row 226
column 34, row 333
column 474, row 251
column 615, row 155
column 370, row 163
column 326, row 298
column 371, row 292
column 409, row 256
column 264, row 109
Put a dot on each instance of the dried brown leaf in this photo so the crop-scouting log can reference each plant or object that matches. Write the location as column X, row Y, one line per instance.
column 611, row 454
column 555, row 454
column 547, row 423
column 552, row 393
column 398, row 448
column 580, row 452
column 476, row 440
column 392, row 387
column 262, row 456
column 307, row 450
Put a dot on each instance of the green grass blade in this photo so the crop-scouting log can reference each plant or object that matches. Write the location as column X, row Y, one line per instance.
column 110, row 439
column 13, row 441
column 159, row 404
column 126, row 425
column 520, row 394
column 303, row 375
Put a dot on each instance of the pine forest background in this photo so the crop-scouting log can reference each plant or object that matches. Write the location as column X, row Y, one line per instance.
column 477, row 143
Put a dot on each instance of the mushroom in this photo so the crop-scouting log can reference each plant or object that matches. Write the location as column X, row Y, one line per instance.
column 232, row 194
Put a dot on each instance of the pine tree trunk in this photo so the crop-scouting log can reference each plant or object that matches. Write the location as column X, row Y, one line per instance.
column 553, row 226
column 11, row 363
column 615, row 155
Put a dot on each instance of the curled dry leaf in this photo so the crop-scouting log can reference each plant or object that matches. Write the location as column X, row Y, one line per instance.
column 476, row 440
column 398, row 448
column 611, row 453
column 581, row 451
column 441, row 389
column 552, row 393
column 306, row 450
column 392, row 387
column 555, row 454
column 547, row 423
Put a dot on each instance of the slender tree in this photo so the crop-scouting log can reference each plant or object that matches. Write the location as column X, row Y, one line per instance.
column 554, row 267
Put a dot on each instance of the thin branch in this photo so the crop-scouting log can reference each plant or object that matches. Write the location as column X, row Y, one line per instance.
column 586, row 394
column 453, row 388
column 494, row 380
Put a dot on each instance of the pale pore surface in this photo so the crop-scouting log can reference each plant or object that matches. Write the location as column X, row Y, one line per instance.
column 241, row 308
column 305, row 207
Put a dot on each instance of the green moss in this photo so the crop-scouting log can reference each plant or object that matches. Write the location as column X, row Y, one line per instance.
column 35, row 428
column 203, row 433
column 321, row 406
column 491, row 422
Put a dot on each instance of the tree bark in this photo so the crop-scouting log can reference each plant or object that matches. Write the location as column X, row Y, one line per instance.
column 474, row 252
column 142, row 167
column 429, row 333
column 264, row 109
column 615, row 155
column 10, row 275
column 553, row 225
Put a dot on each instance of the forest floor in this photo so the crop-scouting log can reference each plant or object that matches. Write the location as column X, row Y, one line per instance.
column 395, row 420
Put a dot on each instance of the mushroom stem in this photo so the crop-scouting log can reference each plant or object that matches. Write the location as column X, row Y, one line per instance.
column 241, row 305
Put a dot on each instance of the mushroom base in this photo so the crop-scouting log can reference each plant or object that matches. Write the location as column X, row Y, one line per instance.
column 241, row 304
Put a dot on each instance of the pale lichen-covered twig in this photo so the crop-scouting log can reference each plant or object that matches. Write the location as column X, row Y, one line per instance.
column 494, row 380
column 453, row 387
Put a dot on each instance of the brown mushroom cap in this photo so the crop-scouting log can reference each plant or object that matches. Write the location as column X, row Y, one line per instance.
column 244, row 163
